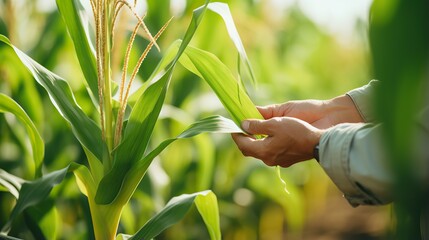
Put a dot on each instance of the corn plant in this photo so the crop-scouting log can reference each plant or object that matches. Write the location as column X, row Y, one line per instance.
column 116, row 143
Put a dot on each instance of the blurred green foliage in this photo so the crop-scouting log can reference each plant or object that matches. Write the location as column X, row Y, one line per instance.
column 293, row 58
column 399, row 40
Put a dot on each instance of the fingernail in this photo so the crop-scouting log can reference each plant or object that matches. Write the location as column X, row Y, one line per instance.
column 245, row 125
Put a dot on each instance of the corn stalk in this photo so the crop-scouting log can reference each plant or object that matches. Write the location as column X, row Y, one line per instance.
column 117, row 156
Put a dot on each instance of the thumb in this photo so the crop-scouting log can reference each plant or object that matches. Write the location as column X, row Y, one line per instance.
column 256, row 127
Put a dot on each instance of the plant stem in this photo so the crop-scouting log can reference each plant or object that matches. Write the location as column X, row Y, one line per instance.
column 107, row 76
column 105, row 220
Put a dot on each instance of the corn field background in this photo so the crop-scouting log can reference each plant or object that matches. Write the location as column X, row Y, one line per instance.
column 293, row 55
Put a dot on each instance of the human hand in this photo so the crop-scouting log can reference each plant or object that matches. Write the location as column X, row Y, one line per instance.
column 319, row 113
column 289, row 140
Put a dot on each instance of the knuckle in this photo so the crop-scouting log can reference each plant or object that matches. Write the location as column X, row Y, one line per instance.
column 275, row 120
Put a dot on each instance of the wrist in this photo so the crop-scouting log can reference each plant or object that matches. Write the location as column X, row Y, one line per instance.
column 344, row 109
column 314, row 144
column 316, row 152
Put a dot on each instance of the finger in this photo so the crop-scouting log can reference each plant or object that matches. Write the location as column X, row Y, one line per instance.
column 274, row 110
column 266, row 111
column 239, row 139
column 304, row 110
column 248, row 146
column 254, row 127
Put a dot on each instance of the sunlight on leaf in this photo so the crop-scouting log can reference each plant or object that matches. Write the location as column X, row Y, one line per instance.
column 84, row 179
column 11, row 183
column 223, row 11
column 208, row 208
column 223, row 83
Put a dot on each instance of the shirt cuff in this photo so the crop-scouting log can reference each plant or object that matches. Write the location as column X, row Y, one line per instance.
column 334, row 151
column 363, row 99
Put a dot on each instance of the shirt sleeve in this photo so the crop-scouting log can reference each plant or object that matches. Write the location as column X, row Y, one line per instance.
column 363, row 99
column 353, row 157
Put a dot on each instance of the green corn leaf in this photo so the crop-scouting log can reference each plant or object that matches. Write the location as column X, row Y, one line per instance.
column 208, row 67
column 207, row 206
column 146, row 110
column 223, row 11
column 173, row 54
column 42, row 220
column 169, row 56
column 9, row 105
column 141, row 122
column 177, row 208
column 95, row 166
column 230, row 92
column 23, row 87
column 11, row 183
column 136, row 137
column 84, row 179
column 213, row 124
column 77, row 21
column 123, row 237
column 3, row 236
column 6, row 186
column 34, row 192
column 84, row 128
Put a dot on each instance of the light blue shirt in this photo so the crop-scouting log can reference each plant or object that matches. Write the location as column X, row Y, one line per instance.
column 354, row 156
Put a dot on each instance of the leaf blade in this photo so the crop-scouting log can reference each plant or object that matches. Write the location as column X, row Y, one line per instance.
column 176, row 209
column 223, row 11
column 77, row 22
column 7, row 104
column 42, row 220
column 230, row 92
column 84, row 179
column 209, row 211
column 155, row 96
column 136, row 138
column 34, row 192
column 11, row 182
column 85, row 129
column 213, row 124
